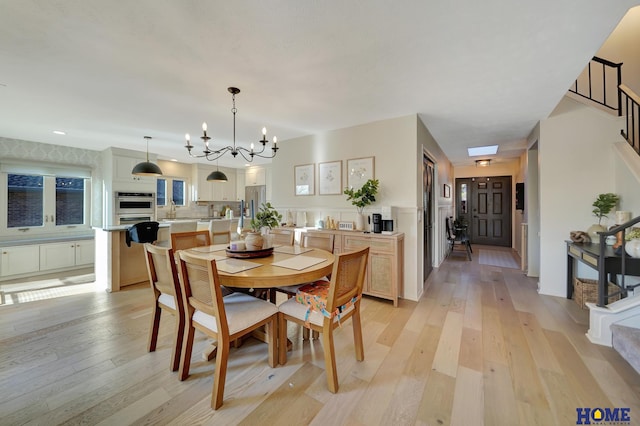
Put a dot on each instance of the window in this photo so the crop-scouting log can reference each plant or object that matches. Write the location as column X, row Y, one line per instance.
column 177, row 193
column 43, row 203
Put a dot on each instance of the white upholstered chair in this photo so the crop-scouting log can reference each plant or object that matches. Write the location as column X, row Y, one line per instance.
column 224, row 319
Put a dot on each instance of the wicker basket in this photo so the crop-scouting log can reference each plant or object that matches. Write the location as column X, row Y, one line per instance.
column 586, row 290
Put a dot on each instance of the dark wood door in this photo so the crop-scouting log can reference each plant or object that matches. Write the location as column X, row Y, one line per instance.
column 487, row 209
column 428, row 169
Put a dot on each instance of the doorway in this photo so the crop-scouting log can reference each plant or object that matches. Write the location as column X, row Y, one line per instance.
column 428, row 173
column 485, row 204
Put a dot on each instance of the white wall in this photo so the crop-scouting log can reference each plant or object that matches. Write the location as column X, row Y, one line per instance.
column 622, row 46
column 575, row 165
column 393, row 144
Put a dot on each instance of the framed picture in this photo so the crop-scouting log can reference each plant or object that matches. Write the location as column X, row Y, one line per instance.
column 447, row 191
column 304, row 176
column 360, row 170
column 330, row 178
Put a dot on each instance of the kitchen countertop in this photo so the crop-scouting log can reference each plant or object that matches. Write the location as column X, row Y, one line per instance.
column 46, row 240
column 120, row 228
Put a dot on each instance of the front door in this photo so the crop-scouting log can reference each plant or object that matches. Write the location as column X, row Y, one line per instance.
column 487, row 209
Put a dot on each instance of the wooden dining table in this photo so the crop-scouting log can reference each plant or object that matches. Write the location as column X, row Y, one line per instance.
column 286, row 266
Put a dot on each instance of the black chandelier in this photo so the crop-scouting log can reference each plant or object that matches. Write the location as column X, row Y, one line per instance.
column 247, row 154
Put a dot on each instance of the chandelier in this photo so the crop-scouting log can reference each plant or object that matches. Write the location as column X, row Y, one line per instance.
column 247, row 154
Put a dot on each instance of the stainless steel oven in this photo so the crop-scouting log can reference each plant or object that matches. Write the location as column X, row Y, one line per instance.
column 134, row 207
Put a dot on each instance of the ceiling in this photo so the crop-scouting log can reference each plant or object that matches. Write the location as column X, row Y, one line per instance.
column 108, row 72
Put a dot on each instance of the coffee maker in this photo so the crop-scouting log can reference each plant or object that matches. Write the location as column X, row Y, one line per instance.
column 376, row 221
column 388, row 219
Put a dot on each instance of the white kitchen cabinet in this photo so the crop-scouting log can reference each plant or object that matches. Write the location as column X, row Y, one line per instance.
column 35, row 258
column 19, row 260
column 204, row 190
column 57, row 255
column 255, row 176
column 85, row 252
column 122, row 167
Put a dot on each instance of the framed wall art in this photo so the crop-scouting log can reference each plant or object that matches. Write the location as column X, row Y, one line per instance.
column 446, row 191
column 330, row 178
column 359, row 170
column 304, row 176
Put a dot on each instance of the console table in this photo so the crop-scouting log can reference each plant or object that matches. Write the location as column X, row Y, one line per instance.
column 605, row 262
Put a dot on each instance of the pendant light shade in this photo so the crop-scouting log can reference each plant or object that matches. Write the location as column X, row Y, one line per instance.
column 146, row 168
column 217, row 176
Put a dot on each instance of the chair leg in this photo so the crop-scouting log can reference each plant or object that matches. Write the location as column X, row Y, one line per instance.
column 187, row 347
column 306, row 333
column 220, row 375
column 177, row 347
column 357, row 334
column 282, row 339
column 272, row 334
column 330, row 359
column 315, row 334
column 468, row 247
column 153, row 331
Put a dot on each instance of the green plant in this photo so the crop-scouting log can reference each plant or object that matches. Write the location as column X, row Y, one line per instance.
column 266, row 217
column 632, row 234
column 604, row 204
column 363, row 196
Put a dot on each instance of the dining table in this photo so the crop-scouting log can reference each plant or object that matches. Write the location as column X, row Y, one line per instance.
column 284, row 266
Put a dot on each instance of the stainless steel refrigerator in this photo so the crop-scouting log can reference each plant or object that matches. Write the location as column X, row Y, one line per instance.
column 257, row 194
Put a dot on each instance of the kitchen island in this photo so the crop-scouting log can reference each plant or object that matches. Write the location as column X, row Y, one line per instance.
column 116, row 264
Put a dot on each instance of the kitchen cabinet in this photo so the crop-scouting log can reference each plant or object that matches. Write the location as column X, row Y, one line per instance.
column 19, row 260
column 384, row 276
column 34, row 258
column 255, row 176
column 204, row 190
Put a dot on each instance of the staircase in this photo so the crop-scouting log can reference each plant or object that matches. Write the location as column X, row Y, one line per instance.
column 626, row 340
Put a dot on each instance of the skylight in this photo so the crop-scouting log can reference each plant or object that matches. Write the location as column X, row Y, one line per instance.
column 482, row 150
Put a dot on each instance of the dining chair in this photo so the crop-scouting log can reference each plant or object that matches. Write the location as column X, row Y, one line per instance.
column 220, row 231
column 163, row 278
column 322, row 306
column 187, row 240
column 224, row 319
column 282, row 236
column 457, row 236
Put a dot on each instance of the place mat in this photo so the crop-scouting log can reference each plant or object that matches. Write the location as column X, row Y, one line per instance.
column 298, row 262
column 209, row 249
column 291, row 249
column 232, row 266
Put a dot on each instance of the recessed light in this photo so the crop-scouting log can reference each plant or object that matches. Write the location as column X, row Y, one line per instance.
column 173, row 159
column 59, row 132
column 482, row 150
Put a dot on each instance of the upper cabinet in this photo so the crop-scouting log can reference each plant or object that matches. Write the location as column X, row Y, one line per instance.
column 118, row 164
column 255, row 176
column 204, row 190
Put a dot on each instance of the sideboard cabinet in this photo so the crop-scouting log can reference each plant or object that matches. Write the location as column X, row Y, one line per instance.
column 386, row 259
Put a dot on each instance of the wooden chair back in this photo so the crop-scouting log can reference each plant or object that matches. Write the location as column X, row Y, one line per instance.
column 164, row 282
column 282, row 236
column 319, row 241
column 347, row 278
column 187, row 240
column 220, row 231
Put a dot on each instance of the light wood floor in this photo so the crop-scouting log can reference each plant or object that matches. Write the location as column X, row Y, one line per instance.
column 481, row 347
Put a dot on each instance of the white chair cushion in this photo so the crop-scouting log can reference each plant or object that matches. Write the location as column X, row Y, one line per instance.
column 298, row 310
column 242, row 311
column 167, row 300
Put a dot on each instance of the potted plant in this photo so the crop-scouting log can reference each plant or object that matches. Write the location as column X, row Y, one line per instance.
column 602, row 206
column 632, row 246
column 361, row 198
column 266, row 218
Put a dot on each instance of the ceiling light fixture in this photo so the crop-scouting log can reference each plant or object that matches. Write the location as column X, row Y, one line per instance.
column 217, row 175
column 146, row 168
column 483, row 163
column 247, row 154
column 59, row 132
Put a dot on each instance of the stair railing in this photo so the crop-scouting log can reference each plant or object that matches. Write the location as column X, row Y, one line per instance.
column 603, row 287
column 631, row 105
column 600, row 91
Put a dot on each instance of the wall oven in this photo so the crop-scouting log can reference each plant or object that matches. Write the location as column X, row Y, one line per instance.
column 134, row 207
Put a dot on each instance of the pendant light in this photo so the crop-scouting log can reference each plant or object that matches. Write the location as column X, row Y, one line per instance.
column 146, row 168
column 217, row 175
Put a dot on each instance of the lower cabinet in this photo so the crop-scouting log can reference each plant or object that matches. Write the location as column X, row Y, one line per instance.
column 386, row 259
column 27, row 259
